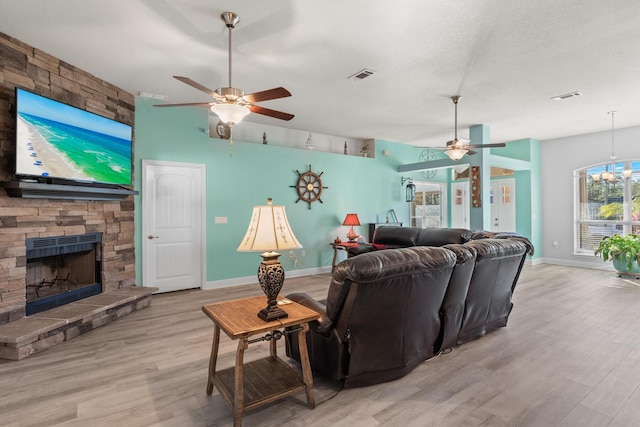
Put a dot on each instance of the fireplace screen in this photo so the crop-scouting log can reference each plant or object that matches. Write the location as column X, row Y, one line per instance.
column 62, row 269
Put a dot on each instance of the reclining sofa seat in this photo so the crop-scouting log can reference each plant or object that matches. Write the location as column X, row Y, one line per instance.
column 452, row 309
column 477, row 299
column 477, row 302
column 382, row 315
column 487, row 304
column 498, row 262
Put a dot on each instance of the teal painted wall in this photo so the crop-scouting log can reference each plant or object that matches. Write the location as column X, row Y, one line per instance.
column 234, row 184
column 528, row 190
column 522, row 149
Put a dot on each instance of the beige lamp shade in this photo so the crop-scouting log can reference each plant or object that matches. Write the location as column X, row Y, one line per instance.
column 268, row 231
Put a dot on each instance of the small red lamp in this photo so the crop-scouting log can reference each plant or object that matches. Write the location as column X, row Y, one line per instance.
column 351, row 219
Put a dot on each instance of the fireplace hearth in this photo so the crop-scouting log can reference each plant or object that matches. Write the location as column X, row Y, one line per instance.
column 61, row 270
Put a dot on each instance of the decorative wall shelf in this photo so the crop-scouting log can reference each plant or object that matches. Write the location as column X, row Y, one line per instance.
column 40, row 190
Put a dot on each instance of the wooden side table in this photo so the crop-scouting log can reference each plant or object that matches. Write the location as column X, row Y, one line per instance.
column 342, row 246
column 247, row 386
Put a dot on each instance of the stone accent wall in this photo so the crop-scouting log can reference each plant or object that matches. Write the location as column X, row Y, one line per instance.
column 29, row 68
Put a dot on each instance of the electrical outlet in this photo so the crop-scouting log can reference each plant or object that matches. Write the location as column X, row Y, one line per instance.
column 302, row 253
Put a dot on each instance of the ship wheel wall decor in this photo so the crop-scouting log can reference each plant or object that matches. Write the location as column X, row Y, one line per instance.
column 309, row 186
column 428, row 155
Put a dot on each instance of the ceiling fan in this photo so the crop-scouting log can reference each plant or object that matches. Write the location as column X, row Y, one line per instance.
column 232, row 104
column 456, row 148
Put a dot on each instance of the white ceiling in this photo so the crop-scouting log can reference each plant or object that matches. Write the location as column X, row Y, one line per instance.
column 506, row 58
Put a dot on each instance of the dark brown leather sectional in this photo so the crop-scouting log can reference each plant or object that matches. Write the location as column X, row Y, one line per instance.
column 406, row 297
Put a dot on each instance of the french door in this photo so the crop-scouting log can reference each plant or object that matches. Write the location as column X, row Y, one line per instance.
column 427, row 211
column 503, row 204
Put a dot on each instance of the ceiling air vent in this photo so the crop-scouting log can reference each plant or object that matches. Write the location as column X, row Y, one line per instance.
column 362, row 74
column 566, row 96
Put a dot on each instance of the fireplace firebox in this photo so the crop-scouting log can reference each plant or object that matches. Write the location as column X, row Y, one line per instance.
column 62, row 269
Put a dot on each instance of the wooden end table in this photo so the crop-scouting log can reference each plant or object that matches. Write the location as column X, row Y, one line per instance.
column 247, row 386
column 342, row 246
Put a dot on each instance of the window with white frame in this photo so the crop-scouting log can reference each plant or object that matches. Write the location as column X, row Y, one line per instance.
column 607, row 202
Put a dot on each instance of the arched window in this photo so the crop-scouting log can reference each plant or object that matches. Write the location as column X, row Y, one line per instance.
column 607, row 202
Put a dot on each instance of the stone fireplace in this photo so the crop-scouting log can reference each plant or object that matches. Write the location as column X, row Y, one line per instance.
column 62, row 269
column 44, row 216
column 33, row 222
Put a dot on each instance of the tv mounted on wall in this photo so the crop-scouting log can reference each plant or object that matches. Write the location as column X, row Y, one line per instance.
column 56, row 142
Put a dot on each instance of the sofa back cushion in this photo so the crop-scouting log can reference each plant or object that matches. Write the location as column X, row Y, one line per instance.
column 442, row 236
column 496, row 271
column 454, row 300
column 395, row 237
column 386, row 304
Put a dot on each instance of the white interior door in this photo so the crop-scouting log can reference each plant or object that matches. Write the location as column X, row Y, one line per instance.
column 503, row 204
column 173, row 206
column 460, row 205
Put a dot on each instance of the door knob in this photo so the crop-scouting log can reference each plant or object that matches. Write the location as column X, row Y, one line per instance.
column 152, row 237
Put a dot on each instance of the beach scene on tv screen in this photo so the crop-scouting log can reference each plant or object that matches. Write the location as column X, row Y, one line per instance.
column 56, row 140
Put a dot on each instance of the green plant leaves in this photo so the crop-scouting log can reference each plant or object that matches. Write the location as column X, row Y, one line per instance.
column 627, row 246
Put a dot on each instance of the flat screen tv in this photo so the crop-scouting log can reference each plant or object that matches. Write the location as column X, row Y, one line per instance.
column 56, row 142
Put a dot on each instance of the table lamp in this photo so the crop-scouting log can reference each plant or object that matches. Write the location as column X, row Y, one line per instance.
column 351, row 219
column 268, row 232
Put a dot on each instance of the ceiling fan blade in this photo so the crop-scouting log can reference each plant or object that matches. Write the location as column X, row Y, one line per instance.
column 271, row 113
column 266, row 95
column 497, row 145
column 230, row 95
column 198, row 86
column 187, row 104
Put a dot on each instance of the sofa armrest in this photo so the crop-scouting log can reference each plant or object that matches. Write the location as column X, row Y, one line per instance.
column 518, row 237
column 322, row 325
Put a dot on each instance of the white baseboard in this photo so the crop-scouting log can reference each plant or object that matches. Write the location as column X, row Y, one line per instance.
column 247, row 280
column 580, row 264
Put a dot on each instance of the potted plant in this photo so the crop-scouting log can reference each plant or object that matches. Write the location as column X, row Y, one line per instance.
column 623, row 251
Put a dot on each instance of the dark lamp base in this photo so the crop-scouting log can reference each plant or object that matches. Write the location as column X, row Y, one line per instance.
column 272, row 313
column 271, row 279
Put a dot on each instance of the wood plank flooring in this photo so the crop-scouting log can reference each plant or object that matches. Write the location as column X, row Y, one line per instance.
column 570, row 356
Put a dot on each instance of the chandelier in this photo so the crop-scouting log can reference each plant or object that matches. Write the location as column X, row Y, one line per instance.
column 611, row 176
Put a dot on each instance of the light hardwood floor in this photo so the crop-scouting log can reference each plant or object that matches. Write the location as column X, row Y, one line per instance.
column 570, row 356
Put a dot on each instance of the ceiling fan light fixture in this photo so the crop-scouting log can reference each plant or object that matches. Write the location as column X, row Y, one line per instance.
column 456, row 153
column 229, row 103
column 231, row 114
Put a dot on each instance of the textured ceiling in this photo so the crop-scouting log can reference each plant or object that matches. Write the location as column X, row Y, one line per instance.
column 506, row 58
